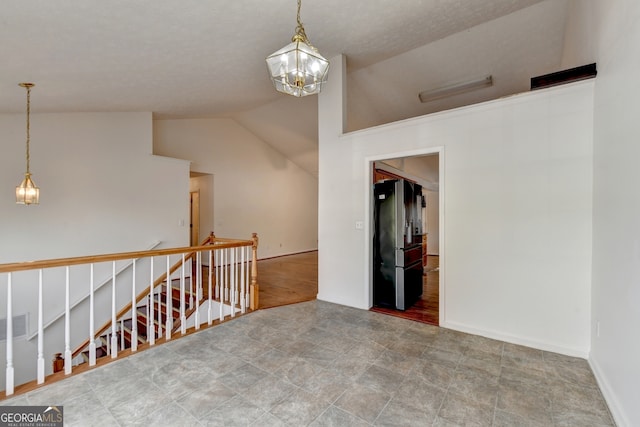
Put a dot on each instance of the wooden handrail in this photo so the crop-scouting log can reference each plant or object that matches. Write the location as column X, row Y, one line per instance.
column 81, row 300
column 211, row 240
column 207, row 243
column 63, row 262
column 210, row 243
column 142, row 295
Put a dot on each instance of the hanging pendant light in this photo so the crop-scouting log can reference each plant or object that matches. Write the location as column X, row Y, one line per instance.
column 27, row 193
column 298, row 69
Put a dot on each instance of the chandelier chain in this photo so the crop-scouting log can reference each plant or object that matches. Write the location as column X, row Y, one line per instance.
column 300, row 28
column 28, row 124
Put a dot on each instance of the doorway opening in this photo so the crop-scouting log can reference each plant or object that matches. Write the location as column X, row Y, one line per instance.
column 201, row 207
column 194, row 223
column 422, row 173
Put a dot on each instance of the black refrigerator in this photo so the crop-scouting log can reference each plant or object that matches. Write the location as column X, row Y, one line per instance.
column 397, row 244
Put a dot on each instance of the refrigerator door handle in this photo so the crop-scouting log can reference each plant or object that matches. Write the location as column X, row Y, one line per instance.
column 399, row 257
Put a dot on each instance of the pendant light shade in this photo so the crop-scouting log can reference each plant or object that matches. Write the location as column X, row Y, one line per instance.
column 298, row 69
column 27, row 193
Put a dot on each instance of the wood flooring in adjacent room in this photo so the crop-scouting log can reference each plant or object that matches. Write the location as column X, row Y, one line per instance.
column 288, row 279
column 294, row 278
column 427, row 308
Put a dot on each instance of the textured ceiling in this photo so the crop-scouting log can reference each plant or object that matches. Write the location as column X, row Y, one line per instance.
column 197, row 58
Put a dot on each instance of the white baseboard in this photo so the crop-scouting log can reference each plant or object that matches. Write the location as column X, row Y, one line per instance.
column 321, row 297
column 515, row 339
column 618, row 414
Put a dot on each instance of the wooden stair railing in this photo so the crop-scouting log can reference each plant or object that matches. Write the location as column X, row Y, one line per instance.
column 142, row 295
column 213, row 245
column 126, row 335
column 162, row 306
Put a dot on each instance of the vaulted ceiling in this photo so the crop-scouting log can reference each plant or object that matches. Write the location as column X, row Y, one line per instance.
column 198, row 58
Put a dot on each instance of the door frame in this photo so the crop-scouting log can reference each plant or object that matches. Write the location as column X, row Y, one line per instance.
column 368, row 220
column 194, row 218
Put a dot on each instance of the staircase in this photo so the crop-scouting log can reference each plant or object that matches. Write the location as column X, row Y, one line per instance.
column 145, row 323
column 208, row 284
column 160, row 311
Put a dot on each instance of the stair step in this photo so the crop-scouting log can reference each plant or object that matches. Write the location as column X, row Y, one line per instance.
column 128, row 332
column 160, row 308
column 175, row 307
column 100, row 352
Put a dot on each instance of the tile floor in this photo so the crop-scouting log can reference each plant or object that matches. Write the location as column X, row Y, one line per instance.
column 322, row 364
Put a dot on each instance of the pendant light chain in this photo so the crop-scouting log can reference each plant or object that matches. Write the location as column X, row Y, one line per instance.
column 300, row 28
column 27, row 193
column 28, row 124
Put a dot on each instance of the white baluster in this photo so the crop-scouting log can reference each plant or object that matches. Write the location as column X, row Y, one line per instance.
column 40, row 331
column 9, row 380
column 225, row 273
column 242, row 278
column 150, row 336
column 92, row 328
column 159, row 303
column 151, row 331
column 193, row 282
column 237, row 268
column 108, row 343
column 67, row 327
column 196, row 316
column 217, row 267
column 249, row 261
column 122, row 334
column 183, row 318
column 220, row 267
column 210, row 312
column 114, row 325
column 236, row 272
column 134, row 312
column 169, row 302
column 233, row 284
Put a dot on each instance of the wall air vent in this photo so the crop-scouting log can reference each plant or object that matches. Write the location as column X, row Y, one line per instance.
column 566, row 76
column 19, row 327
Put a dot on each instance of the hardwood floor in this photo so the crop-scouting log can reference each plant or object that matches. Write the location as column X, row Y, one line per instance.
column 427, row 309
column 288, row 279
column 294, row 278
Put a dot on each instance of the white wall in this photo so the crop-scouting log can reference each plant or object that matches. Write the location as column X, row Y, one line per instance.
column 256, row 189
column 516, row 248
column 102, row 191
column 609, row 33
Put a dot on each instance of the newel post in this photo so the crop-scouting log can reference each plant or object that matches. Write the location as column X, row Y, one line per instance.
column 253, row 288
